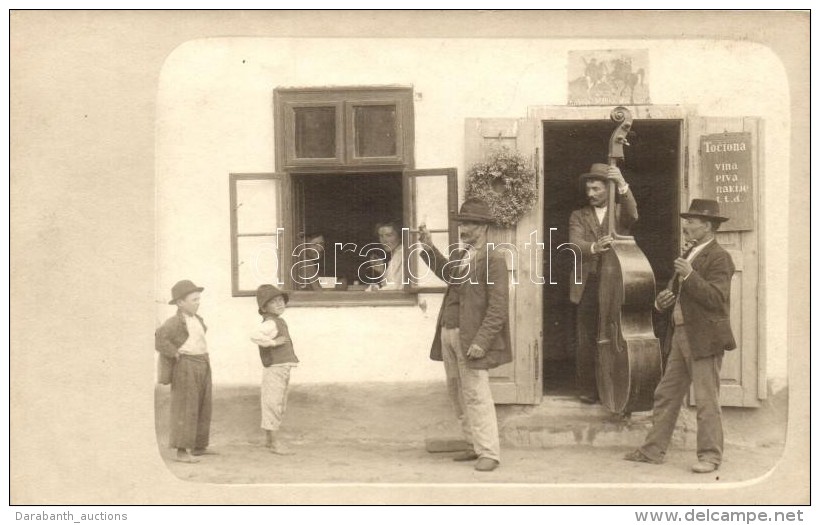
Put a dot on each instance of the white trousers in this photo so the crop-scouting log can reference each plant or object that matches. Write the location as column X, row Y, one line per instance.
column 275, row 379
column 470, row 394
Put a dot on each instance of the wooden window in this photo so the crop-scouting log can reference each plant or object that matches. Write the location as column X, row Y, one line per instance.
column 314, row 132
column 273, row 214
column 344, row 129
column 345, row 158
column 431, row 198
column 257, row 230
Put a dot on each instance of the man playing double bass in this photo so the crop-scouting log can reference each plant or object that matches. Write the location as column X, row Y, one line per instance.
column 698, row 298
column 586, row 230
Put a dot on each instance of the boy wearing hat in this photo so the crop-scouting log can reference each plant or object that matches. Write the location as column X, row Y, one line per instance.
column 278, row 357
column 181, row 344
column 698, row 298
column 586, row 231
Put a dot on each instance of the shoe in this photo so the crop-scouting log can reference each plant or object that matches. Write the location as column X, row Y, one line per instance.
column 486, row 465
column 185, row 458
column 280, row 449
column 467, row 455
column 589, row 400
column 203, row 452
column 640, row 457
column 704, row 467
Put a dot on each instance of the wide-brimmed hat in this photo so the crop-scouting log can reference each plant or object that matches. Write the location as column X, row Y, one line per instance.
column 597, row 171
column 475, row 210
column 183, row 288
column 267, row 292
column 704, row 209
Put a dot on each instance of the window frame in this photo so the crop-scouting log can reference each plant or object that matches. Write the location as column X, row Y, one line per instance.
column 283, row 241
column 408, row 181
column 289, row 115
column 287, row 220
column 350, row 133
column 345, row 100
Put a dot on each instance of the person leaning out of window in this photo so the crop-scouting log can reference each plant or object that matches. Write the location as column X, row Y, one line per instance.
column 390, row 275
column 311, row 253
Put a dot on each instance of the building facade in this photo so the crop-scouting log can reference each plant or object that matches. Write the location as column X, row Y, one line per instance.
column 263, row 143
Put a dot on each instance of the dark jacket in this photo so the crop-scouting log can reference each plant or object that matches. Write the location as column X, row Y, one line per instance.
column 167, row 339
column 484, row 306
column 584, row 230
column 704, row 301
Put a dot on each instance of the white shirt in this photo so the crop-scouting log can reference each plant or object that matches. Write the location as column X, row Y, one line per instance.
column 195, row 344
column 265, row 333
column 394, row 273
column 697, row 249
column 601, row 212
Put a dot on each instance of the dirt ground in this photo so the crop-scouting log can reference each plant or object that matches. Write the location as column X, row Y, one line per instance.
column 376, row 434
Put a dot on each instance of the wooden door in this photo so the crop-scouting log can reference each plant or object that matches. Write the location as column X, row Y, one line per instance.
column 743, row 374
column 518, row 382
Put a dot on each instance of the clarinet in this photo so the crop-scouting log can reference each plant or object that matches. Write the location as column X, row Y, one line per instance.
column 687, row 246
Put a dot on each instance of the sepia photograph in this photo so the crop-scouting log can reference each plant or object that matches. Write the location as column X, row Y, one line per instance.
column 449, row 253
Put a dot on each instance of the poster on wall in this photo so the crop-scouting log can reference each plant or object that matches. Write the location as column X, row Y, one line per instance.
column 608, row 77
column 727, row 177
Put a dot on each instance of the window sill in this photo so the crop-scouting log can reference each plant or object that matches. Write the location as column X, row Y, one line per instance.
column 351, row 298
column 333, row 298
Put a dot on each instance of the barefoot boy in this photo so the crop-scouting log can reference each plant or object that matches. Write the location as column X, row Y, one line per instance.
column 182, row 339
column 278, row 357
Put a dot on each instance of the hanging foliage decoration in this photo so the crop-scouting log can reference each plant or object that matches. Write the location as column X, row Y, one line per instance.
column 506, row 182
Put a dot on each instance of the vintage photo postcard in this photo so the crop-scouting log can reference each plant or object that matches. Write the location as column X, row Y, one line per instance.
column 418, row 257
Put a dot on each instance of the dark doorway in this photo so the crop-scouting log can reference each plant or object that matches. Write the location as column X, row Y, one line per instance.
column 652, row 169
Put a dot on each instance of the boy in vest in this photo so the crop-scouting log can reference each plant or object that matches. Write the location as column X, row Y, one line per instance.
column 276, row 352
column 181, row 341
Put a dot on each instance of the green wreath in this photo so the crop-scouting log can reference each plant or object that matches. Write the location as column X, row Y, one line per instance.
column 506, row 183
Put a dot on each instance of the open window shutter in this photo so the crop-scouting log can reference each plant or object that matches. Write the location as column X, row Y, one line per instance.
column 743, row 374
column 259, row 246
column 431, row 197
column 518, row 382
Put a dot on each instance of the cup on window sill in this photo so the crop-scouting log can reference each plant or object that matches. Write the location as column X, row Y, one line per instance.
column 327, row 283
column 341, row 284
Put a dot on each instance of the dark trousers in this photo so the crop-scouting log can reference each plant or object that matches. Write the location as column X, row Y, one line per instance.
column 191, row 402
column 587, row 337
column 683, row 370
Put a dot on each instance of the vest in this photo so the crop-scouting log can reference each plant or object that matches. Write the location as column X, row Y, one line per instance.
column 449, row 317
column 677, row 312
column 277, row 355
column 452, row 299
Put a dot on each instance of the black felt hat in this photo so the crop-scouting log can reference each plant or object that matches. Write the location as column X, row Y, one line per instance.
column 704, row 209
column 183, row 288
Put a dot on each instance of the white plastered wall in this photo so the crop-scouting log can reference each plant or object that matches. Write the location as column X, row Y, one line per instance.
column 215, row 116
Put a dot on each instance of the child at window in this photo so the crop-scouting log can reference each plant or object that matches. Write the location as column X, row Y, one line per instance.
column 278, row 357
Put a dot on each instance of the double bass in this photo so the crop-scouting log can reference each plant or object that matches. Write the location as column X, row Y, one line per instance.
column 629, row 354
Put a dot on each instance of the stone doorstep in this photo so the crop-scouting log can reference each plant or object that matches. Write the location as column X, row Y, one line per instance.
column 559, row 421
column 563, row 421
